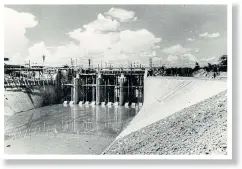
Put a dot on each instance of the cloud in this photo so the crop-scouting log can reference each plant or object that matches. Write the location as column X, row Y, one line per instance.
column 188, row 60
column 209, row 59
column 15, row 25
column 54, row 55
column 37, row 51
column 102, row 24
column 125, row 43
column 156, row 47
column 197, row 50
column 176, row 50
column 154, row 54
column 75, row 33
column 172, row 58
column 191, row 39
column 113, row 56
column 101, row 39
column 188, row 57
column 136, row 41
column 94, row 42
column 121, row 14
column 180, row 56
column 184, row 60
column 97, row 48
column 212, row 35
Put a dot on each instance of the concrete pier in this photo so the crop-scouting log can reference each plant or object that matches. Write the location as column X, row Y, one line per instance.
column 58, row 87
column 116, row 94
column 93, row 93
column 122, row 90
column 76, row 91
column 98, row 89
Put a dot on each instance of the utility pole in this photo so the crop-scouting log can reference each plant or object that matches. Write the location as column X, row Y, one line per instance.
column 43, row 67
column 20, row 71
column 76, row 63
column 43, row 62
column 89, row 63
column 180, row 61
column 150, row 60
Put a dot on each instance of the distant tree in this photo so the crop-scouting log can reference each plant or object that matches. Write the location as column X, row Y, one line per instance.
column 215, row 68
column 222, row 63
column 163, row 67
column 223, row 60
column 197, row 67
column 210, row 67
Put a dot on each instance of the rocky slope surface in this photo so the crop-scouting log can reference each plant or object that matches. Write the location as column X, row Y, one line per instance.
column 200, row 129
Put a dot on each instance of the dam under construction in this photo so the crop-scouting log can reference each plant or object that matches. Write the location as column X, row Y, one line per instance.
column 94, row 111
column 85, row 86
column 116, row 81
column 120, row 87
column 105, row 110
column 91, row 104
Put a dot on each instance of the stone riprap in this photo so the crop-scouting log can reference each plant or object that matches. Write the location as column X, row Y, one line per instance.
column 200, row 129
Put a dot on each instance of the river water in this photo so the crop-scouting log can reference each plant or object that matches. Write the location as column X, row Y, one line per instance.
column 65, row 129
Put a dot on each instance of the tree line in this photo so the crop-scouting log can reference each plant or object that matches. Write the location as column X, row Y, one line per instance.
column 221, row 66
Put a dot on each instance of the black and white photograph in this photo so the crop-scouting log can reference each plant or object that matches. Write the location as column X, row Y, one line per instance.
column 117, row 81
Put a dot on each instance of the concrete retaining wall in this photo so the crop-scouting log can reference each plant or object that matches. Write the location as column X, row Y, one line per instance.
column 18, row 100
column 164, row 96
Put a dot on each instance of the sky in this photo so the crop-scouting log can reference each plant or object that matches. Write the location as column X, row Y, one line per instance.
column 115, row 34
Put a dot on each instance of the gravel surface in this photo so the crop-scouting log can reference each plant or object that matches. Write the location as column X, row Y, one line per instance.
column 200, row 129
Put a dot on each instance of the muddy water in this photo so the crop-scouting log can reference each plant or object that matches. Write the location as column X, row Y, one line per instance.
column 60, row 129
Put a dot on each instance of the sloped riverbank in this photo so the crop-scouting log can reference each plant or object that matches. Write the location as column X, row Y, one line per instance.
column 23, row 99
column 164, row 96
column 196, row 130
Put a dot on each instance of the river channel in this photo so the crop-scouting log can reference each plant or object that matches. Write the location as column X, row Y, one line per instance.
column 65, row 129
